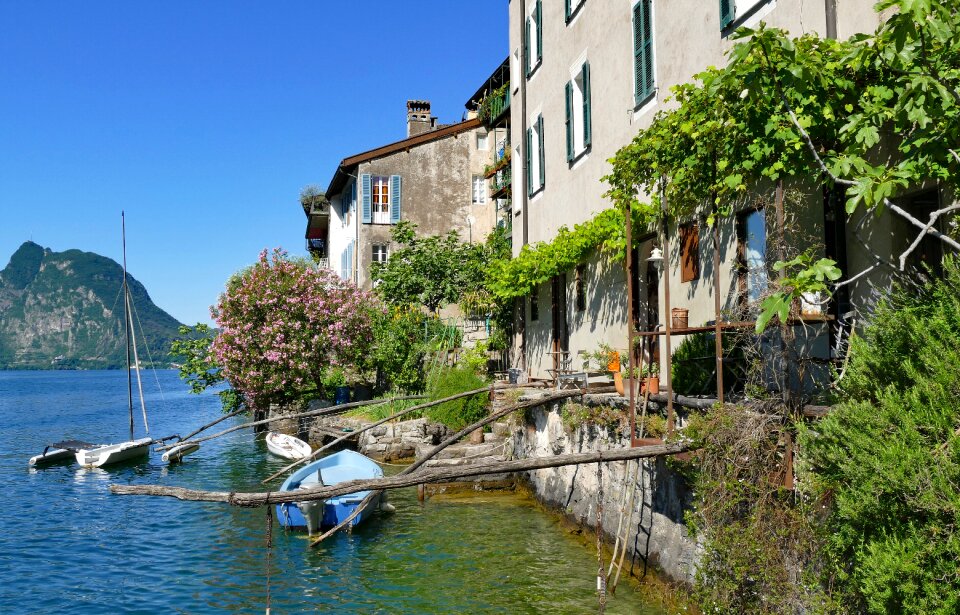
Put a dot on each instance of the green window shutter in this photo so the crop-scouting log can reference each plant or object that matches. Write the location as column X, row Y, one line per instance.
column 539, row 19
column 394, row 199
column 540, row 146
column 568, row 89
column 529, row 161
column 566, row 10
column 642, row 51
column 528, row 61
column 366, row 188
column 586, row 105
column 728, row 9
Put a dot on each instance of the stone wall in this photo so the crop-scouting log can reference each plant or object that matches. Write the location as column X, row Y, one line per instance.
column 657, row 534
column 388, row 442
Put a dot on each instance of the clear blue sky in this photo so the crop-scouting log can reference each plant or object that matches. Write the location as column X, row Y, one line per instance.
column 203, row 120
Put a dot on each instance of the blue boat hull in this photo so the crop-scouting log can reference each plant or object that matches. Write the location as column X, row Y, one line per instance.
column 336, row 468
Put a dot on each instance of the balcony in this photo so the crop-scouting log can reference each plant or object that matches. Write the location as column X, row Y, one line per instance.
column 317, row 246
column 500, row 186
column 495, row 106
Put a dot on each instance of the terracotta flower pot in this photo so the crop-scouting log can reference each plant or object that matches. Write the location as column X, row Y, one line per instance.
column 618, row 382
column 650, row 383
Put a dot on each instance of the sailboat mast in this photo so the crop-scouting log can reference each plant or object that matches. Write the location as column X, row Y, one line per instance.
column 126, row 319
column 136, row 363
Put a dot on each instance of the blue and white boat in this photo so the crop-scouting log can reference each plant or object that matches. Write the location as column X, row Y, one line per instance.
column 337, row 468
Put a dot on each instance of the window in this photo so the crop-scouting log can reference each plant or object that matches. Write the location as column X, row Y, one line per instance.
column 535, row 159
column 689, row 252
column 380, row 199
column 346, row 262
column 379, row 253
column 533, row 38
column 578, row 112
column 482, row 141
column 570, row 9
column 732, row 10
column 535, row 304
column 642, row 51
column 752, row 253
column 580, row 292
column 479, row 190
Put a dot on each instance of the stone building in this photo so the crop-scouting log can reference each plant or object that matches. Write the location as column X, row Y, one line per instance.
column 585, row 76
column 429, row 178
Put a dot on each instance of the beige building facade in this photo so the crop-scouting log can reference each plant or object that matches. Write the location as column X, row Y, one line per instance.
column 585, row 77
column 430, row 179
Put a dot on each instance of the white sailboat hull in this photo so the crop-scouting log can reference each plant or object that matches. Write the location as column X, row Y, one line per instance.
column 114, row 453
column 288, row 447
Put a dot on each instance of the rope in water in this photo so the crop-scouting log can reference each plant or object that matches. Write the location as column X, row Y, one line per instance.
column 601, row 573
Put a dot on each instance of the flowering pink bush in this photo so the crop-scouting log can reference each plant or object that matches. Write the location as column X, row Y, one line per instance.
column 285, row 324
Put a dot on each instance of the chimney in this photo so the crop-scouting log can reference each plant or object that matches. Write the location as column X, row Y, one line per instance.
column 419, row 120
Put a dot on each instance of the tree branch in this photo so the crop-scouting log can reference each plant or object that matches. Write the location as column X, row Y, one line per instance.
column 925, row 227
column 251, row 500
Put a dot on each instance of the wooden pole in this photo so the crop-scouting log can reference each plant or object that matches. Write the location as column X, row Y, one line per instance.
column 406, row 411
column 630, row 351
column 436, row 450
column 321, row 412
column 668, row 318
column 435, row 475
column 718, row 329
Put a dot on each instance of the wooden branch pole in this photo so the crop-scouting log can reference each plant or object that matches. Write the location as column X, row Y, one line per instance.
column 450, row 440
column 211, row 424
column 321, row 412
column 254, row 500
column 404, row 412
column 718, row 328
column 668, row 317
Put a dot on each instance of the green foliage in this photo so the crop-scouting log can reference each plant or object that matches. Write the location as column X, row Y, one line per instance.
column 540, row 262
column 458, row 413
column 889, row 456
column 403, row 336
column 760, row 549
column 604, row 416
column 198, row 366
column 807, row 107
column 694, row 364
column 429, row 270
column 475, row 359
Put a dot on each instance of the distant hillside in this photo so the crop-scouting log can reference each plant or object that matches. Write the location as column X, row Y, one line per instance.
column 63, row 310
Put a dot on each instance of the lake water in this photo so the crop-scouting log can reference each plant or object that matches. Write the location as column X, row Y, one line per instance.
column 67, row 545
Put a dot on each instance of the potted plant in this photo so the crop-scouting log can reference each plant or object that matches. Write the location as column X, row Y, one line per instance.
column 651, row 380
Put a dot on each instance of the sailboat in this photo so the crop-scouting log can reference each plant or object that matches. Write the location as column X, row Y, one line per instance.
column 98, row 456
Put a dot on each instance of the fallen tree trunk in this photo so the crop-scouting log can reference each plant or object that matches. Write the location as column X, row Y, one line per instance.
column 435, row 475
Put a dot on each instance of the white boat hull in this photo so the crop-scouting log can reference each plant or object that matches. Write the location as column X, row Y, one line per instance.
column 177, row 453
column 113, row 453
column 288, row 447
column 53, row 455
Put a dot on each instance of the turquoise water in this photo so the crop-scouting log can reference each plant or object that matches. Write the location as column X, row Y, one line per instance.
column 69, row 546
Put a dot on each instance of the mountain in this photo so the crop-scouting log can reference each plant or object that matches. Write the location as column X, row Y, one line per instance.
column 63, row 310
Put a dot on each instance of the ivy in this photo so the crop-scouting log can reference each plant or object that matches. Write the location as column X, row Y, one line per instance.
column 538, row 263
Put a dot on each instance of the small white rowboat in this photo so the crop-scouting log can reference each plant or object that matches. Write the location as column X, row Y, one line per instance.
column 288, row 447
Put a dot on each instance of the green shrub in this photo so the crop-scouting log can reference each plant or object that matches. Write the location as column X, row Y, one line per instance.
column 889, row 456
column 402, row 337
column 694, row 365
column 458, row 413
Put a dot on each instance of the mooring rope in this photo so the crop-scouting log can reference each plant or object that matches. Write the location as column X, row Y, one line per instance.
column 601, row 573
column 269, row 547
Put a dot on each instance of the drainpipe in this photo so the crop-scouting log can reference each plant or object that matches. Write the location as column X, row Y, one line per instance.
column 523, row 161
column 830, row 8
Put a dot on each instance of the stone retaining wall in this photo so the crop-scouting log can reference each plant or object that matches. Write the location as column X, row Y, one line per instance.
column 657, row 535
